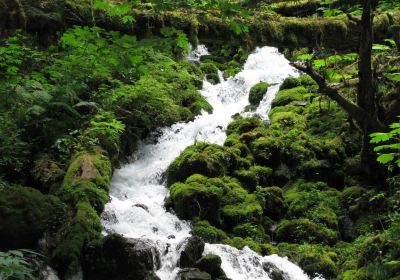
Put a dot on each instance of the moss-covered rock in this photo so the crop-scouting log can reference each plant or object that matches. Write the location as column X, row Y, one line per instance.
column 202, row 158
column 255, row 176
column 261, row 248
column 193, row 248
column 286, row 96
column 257, row 93
column 242, row 125
column 197, row 197
column 273, row 202
column 84, row 227
column 115, row 257
column 208, row 232
column 210, row 264
column 87, row 179
column 303, row 230
column 249, row 210
column 26, row 214
column 316, row 263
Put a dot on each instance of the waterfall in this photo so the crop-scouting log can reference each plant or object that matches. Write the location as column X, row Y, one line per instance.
column 136, row 208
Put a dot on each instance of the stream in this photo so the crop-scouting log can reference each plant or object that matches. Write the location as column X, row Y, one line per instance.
column 138, row 194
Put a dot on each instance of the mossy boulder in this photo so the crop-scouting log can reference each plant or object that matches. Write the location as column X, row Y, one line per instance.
column 207, row 159
column 316, row 263
column 261, row 248
column 249, row 210
column 286, row 96
column 257, row 93
column 197, row 197
column 116, row 257
column 356, row 199
column 292, row 82
column 208, row 232
column 242, row 125
column 211, row 264
column 304, row 230
column 87, row 179
column 211, row 71
column 256, row 175
column 83, row 228
column 274, row 204
column 26, row 214
column 193, row 248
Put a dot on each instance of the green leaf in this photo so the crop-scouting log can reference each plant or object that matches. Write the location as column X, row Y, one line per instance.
column 385, row 158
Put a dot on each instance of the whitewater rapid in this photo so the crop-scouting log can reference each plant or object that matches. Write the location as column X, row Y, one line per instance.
column 136, row 209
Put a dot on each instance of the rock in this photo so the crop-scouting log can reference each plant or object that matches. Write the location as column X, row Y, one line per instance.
column 193, row 274
column 274, row 272
column 144, row 207
column 25, row 215
column 211, row 264
column 118, row 258
column 171, row 236
column 193, row 250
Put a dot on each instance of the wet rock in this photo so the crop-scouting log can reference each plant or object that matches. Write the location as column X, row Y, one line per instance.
column 193, row 274
column 274, row 272
column 212, row 265
column 171, row 236
column 117, row 258
column 144, row 207
column 192, row 251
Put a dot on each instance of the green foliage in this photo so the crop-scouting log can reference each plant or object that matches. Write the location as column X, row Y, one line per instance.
column 15, row 265
column 388, row 147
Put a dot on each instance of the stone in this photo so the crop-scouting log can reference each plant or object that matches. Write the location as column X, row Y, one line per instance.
column 193, row 274
column 274, row 272
column 192, row 251
column 118, row 258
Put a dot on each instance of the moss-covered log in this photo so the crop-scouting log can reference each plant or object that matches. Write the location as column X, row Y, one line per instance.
column 338, row 33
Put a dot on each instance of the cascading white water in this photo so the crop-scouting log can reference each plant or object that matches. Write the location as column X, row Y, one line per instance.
column 137, row 208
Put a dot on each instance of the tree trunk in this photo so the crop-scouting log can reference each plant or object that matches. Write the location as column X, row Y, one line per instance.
column 367, row 89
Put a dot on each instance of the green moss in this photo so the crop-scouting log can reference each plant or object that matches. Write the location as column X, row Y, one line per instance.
column 255, row 232
column 202, row 158
column 26, row 214
column 261, row 248
column 255, row 176
column 356, row 200
column 273, row 203
column 209, row 68
column 287, row 96
column 208, row 232
column 84, row 227
column 242, row 125
column 92, row 166
column 250, row 210
column 198, row 197
column 257, row 93
column 210, row 264
column 287, row 120
column 303, row 230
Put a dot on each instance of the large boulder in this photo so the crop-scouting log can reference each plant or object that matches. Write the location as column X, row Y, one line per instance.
column 193, row 274
column 202, row 158
column 192, row 251
column 26, row 214
column 119, row 258
column 211, row 264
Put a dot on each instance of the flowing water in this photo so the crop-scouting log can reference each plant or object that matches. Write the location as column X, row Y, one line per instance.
column 136, row 208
